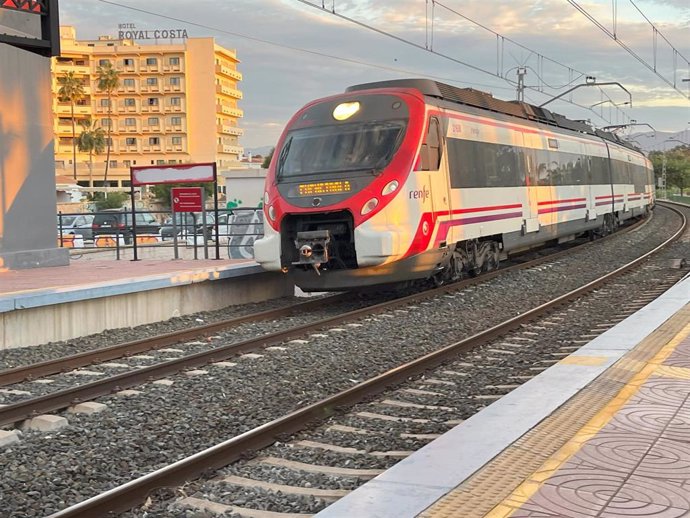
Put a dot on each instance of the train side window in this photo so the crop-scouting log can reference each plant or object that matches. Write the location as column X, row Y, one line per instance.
column 431, row 149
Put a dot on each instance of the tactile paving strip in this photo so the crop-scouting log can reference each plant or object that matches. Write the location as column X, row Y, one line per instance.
column 545, row 447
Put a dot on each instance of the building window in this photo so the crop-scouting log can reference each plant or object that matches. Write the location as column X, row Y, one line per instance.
column 130, row 121
column 127, row 163
column 175, row 81
column 153, row 121
column 151, row 61
column 113, row 163
column 105, row 102
column 175, row 101
column 105, row 122
column 175, row 61
column 103, row 62
column 129, row 101
column 151, row 81
column 131, row 141
column 176, row 121
column 154, row 141
column 152, row 101
column 128, row 82
column 160, row 162
column 172, row 161
column 177, row 141
column 109, row 141
column 128, row 62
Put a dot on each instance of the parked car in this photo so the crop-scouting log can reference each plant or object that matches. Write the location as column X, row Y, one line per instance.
column 77, row 224
column 188, row 224
column 114, row 221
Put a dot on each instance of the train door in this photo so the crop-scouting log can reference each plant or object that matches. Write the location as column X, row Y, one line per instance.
column 531, row 215
column 432, row 158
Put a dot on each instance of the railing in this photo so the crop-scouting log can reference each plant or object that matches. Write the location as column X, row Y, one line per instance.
column 187, row 238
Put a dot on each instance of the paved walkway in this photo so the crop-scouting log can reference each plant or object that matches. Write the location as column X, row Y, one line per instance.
column 631, row 459
column 83, row 273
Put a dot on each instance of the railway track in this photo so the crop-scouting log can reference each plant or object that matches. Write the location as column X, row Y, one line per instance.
column 526, row 329
column 59, row 399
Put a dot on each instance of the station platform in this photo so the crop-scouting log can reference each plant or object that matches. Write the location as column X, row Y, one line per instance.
column 603, row 433
column 90, row 296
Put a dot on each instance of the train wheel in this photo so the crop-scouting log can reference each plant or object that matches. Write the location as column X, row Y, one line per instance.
column 455, row 267
column 492, row 258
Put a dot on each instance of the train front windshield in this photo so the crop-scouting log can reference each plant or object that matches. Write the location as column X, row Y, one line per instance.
column 365, row 147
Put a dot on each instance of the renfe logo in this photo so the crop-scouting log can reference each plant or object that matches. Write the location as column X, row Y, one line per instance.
column 420, row 194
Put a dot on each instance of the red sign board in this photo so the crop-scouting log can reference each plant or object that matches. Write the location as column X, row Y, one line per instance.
column 187, row 199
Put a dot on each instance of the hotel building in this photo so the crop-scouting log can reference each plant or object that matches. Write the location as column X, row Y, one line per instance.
column 176, row 103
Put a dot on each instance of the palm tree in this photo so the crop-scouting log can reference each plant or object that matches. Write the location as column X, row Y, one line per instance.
column 108, row 81
column 91, row 140
column 71, row 91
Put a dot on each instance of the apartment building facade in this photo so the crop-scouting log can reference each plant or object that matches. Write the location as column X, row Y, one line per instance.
column 175, row 103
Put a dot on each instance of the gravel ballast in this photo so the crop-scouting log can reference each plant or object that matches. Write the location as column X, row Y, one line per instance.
column 136, row 435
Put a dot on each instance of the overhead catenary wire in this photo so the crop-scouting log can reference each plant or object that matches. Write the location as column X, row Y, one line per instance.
column 440, row 54
column 284, row 46
column 332, row 11
column 614, row 36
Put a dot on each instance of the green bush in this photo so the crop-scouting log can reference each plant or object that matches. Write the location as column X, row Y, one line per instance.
column 115, row 200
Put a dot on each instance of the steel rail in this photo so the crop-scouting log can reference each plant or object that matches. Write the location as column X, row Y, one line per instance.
column 61, row 399
column 67, row 363
column 128, row 495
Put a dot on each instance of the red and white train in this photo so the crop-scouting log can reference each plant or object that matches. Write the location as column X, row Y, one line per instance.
column 412, row 179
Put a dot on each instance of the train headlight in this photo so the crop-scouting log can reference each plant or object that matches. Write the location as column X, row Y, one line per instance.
column 266, row 198
column 369, row 206
column 390, row 187
column 345, row 110
column 271, row 212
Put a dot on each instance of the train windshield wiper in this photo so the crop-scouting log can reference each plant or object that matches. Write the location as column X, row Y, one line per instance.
column 283, row 157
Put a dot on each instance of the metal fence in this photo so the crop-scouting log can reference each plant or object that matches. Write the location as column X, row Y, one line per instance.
column 189, row 235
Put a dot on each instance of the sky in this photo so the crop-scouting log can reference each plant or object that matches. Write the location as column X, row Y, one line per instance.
column 294, row 51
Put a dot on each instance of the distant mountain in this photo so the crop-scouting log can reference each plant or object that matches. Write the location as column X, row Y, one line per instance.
column 263, row 150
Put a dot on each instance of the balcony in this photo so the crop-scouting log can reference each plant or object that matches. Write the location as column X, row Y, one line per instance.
column 227, row 110
column 229, row 130
column 230, row 92
column 233, row 150
column 221, row 69
column 62, row 68
column 66, row 109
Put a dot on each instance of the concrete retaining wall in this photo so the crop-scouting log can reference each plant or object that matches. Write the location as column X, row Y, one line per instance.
column 71, row 319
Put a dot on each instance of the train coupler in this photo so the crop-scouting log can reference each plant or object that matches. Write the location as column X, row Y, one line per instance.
column 313, row 248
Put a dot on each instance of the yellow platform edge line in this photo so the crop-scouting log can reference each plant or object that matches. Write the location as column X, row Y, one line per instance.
column 529, row 487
